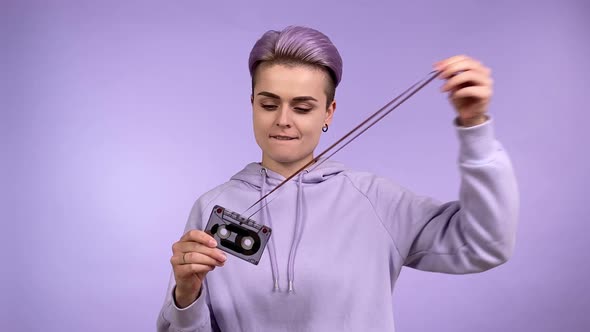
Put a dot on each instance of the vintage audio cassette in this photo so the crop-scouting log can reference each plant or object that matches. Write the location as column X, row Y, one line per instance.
column 237, row 235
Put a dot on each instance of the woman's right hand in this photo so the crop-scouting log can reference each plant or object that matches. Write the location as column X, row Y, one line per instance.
column 193, row 256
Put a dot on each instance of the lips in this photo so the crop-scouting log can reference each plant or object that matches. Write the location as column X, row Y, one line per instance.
column 283, row 137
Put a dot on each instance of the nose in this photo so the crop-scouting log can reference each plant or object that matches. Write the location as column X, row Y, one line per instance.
column 283, row 118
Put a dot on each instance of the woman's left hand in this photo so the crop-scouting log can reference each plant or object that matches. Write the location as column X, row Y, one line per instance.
column 469, row 84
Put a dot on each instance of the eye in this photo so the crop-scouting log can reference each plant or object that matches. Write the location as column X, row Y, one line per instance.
column 302, row 109
column 269, row 107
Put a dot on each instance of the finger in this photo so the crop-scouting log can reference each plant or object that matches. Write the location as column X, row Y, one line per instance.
column 189, row 270
column 461, row 62
column 463, row 66
column 180, row 248
column 445, row 62
column 199, row 258
column 196, row 258
column 468, row 78
column 199, row 237
column 478, row 92
column 185, row 247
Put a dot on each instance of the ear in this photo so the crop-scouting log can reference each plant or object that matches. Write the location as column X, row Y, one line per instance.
column 330, row 112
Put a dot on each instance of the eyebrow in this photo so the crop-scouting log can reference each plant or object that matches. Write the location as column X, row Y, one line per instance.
column 272, row 95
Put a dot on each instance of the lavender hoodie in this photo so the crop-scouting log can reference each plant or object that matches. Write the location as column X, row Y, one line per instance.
column 340, row 238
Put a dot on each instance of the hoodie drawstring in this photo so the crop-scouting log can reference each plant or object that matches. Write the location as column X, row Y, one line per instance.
column 297, row 231
column 265, row 218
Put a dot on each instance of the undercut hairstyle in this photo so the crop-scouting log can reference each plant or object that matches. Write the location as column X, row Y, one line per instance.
column 298, row 46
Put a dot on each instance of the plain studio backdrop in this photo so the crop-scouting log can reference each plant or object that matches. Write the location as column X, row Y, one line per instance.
column 116, row 116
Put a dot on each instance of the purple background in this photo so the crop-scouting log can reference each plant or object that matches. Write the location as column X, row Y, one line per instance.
column 115, row 116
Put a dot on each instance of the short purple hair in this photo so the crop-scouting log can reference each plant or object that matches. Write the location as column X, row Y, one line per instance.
column 297, row 45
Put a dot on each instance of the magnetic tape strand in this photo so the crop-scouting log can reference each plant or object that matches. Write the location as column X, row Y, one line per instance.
column 420, row 85
column 383, row 112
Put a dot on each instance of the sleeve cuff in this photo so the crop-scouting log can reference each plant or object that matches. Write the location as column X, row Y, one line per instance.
column 191, row 317
column 477, row 143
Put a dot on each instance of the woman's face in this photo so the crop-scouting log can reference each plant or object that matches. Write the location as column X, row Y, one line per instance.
column 289, row 111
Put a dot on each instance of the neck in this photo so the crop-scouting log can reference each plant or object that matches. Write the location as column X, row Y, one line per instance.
column 284, row 169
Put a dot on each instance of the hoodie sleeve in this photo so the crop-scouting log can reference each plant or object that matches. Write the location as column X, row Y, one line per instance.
column 197, row 316
column 473, row 234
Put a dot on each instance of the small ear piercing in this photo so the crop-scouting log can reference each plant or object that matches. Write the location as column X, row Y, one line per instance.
column 325, row 128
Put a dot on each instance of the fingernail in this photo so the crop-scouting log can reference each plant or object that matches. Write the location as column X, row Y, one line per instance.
column 223, row 257
column 213, row 243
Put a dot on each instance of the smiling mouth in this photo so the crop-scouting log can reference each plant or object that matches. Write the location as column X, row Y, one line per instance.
column 282, row 138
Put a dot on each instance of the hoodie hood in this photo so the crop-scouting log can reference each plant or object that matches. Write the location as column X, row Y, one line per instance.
column 326, row 169
column 265, row 180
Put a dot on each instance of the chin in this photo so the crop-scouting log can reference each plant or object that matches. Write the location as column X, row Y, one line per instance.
column 286, row 158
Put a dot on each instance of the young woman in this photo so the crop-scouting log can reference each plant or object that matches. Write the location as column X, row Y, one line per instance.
column 340, row 237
